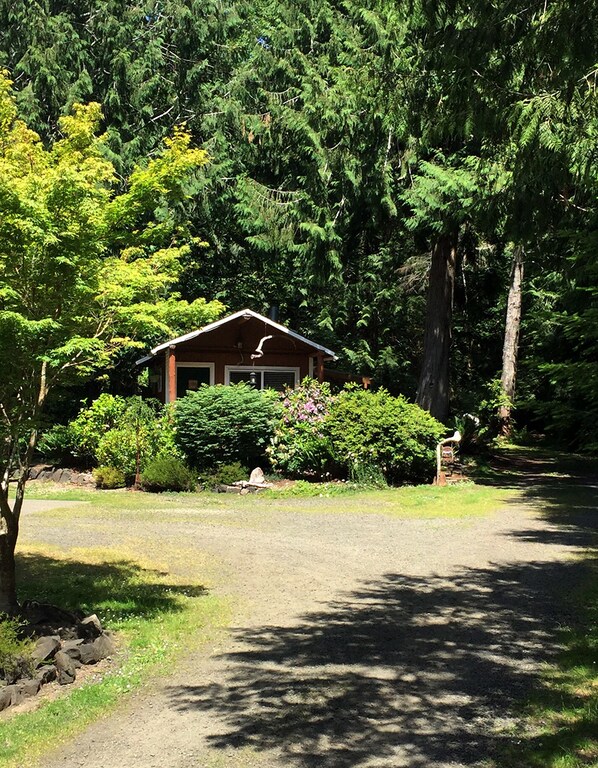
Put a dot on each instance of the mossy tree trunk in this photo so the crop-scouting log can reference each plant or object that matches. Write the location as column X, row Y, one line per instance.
column 433, row 388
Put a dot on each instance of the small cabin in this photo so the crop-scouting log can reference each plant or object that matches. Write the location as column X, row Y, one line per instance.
column 244, row 346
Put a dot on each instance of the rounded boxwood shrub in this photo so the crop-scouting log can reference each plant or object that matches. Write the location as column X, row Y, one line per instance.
column 223, row 424
column 370, row 429
column 167, row 473
column 109, row 477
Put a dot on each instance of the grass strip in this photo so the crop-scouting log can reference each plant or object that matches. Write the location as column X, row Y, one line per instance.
column 424, row 501
column 560, row 724
column 153, row 614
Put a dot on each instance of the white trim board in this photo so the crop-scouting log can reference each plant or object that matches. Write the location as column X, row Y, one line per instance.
column 247, row 313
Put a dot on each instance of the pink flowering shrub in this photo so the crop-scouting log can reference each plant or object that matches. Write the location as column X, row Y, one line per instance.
column 301, row 446
column 372, row 438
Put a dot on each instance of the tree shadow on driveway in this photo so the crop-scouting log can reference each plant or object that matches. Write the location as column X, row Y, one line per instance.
column 405, row 671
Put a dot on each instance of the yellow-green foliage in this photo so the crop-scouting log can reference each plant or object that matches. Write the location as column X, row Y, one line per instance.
column 14, row 650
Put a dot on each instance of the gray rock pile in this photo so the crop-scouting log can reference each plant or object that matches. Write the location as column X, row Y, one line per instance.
column 60, row 475
column 64, row 642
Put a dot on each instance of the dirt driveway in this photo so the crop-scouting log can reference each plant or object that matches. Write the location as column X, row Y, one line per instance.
column 358, row 640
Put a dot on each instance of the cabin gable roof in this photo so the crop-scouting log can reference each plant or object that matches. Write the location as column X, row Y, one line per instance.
column 246, row 314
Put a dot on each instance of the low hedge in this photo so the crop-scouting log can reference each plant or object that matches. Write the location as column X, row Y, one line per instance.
column 167, row 473
column 375, row 429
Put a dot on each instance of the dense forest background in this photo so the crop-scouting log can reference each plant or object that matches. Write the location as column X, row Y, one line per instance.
column 387, row 173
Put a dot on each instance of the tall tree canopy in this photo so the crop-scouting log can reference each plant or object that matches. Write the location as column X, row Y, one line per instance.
column 367, row 159
column 85, row 272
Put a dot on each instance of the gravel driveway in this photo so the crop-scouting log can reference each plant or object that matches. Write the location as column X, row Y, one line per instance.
column 358, row 640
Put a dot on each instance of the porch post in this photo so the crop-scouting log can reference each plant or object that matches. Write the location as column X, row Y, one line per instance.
column 171, row 374
column 320, row 367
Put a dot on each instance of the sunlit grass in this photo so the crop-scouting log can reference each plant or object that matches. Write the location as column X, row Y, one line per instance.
column 153, row 614
column 425, row 501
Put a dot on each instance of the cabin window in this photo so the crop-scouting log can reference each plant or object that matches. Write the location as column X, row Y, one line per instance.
column 190, row 377
column 265, row 378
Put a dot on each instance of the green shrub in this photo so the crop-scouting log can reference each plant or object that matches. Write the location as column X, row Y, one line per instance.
column 109, row 477
column 113, row 431
column 375, row 429
column 367, row 474
column 167, row 473
column 222, row 424
column 301, row 445
column 59, row 444
column 105, row 413
column 15, row 653
column 226, row 474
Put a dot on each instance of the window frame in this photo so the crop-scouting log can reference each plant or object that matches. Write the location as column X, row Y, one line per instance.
column 228, row 369
column 210, row 366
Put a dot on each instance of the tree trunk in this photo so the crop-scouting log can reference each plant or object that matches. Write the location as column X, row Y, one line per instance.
column 511, row 342
column 10, row 515
column 9, row 531
column 433, row 388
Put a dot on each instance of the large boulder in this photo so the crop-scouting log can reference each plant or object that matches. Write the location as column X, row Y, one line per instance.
column 90, row 627
column 103, row 647
column 45, row 648
column 46, row 674
column 65, row 668
column 5, row 696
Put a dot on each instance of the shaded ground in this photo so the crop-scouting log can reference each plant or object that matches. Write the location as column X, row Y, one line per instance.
column 359, row 640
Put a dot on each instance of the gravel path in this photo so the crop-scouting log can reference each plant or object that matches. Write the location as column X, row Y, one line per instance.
column 358, row 640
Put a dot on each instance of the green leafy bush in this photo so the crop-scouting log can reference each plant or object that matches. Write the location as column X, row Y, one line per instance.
column 489, row 408
column 15, row 652
column 371, row 438
column 167, row 473
column 87, row 430
column 222, row 424
column 376, row 429
column 367, row 474
column 115, row 431
column 226, row 474
column 59, row 444
column 109, row 477
column 301, row 445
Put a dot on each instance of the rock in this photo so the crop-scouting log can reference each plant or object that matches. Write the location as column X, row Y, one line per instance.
column 103, row 647
column 20, row 668
column 72, row 648
column 44, row 613
column 66, row 476
column 68, row 633
column 65, row 668
column 6, row 696
column 88, row 654
column 228, row 489
column 257, row 477
column 38, row 469
column 46, row 674
column 25, row 689
column 83, row 478
column 45, row 648
column 90, row 627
